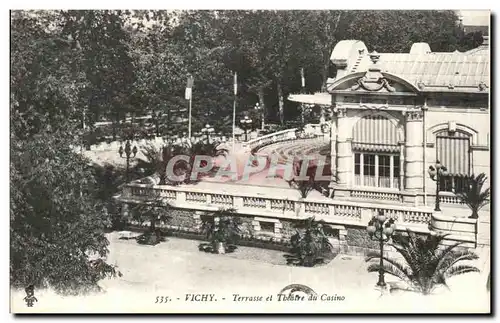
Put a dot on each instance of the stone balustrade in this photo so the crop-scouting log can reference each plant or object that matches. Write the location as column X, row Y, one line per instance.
column 377, row 195
column 331, row 211
column 310, row 130
column 284, row 135
column 449, row 198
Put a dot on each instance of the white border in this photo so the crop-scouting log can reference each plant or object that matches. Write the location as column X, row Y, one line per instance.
column 92, row 4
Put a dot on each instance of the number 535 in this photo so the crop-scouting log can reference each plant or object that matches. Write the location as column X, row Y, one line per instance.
column 162, row 299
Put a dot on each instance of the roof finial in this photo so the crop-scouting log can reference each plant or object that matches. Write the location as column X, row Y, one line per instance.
column 374, row 56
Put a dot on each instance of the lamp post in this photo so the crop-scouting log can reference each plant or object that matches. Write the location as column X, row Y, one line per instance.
column 128, row 154
column 435, row 172
column 380, row 229
column 246, row 124
column 156, row 116
column 207, row 130
column 259, row 108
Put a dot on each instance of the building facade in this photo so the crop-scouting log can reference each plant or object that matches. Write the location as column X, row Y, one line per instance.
column 397, row 114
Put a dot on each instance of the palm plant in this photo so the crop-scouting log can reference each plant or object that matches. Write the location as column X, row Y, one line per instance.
column 427, row 263
column 304, row 186
column 221, row 229
column 309, row 244
column 156, row 161
column 474, row 196
column 153, row 162
column 154, row 212
column 210, row 149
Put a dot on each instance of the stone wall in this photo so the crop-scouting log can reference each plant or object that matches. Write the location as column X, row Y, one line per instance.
column 344, row 239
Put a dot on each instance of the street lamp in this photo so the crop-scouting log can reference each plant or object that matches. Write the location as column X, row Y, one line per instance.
column 246, row 124
column 156, row 116
column 128, row 154
column 380, row 229
column 207, row 130
column 259, row 108
column 435, row 172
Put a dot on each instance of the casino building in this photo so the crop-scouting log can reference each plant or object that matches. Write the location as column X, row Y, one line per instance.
column 396, row 114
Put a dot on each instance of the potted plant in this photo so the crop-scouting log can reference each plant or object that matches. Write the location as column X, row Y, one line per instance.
column 474, row 196
column 221, row 229
column 155, row 212
column 310, row 244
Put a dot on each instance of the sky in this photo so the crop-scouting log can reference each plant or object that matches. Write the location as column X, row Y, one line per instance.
column 475, row 17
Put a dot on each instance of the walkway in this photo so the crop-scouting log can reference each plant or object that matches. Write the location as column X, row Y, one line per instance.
column 176, row 268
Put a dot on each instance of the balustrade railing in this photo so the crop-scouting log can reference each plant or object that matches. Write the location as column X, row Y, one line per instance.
column 311, row 130
column 449, row 198
column 330, row 210
column 378, row 195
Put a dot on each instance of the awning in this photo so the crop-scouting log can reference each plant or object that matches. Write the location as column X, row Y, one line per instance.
column 454, row 153
column 317, row 98
column 375, row 147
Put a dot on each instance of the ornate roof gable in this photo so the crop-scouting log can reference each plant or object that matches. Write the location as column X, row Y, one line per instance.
column 373, row 80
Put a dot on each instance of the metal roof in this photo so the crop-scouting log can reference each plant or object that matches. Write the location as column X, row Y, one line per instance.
column 437, row 71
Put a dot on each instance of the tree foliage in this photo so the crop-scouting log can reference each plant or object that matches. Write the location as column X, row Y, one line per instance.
column 474, row 196
column 426, row 262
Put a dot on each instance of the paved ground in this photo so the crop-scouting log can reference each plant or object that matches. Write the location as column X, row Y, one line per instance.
column 176, row 268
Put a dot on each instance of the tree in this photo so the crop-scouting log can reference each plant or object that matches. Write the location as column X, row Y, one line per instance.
column 100, row 38
column 57, row 221
column 427, row 262
column 57, row 224
column 474, row 196
column 309, row 244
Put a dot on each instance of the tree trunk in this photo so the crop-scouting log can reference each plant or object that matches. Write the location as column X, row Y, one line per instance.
column 280, row 100
column 153, row 225
column 326, row 65
column 262, row 106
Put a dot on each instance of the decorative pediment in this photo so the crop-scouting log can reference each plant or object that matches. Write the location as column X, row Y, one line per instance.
column 372, row 83
column 373, row 80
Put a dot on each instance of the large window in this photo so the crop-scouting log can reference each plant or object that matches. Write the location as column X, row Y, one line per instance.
column 453, row 151
column 376, row 170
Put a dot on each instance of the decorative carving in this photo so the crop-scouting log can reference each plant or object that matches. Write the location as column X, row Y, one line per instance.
column 421, row 85
column 373, row 80
column 414, row 115
column 373, row 83
column 451, row 86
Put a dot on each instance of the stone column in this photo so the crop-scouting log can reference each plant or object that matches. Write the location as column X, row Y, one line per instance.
column 333, row 154
column 414, row 151
column 344, row 153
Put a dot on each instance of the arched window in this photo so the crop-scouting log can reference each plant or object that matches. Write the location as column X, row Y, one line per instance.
column 376, row 152
column 453, row 151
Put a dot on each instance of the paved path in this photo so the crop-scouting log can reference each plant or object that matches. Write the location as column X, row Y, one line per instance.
column 176, row 268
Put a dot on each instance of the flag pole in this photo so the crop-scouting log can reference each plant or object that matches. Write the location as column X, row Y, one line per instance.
column 303, row 83
column 189, row 123
column 234, row 106
column 189, row 96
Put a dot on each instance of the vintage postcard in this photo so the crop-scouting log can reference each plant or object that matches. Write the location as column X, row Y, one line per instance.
column 250, row 161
